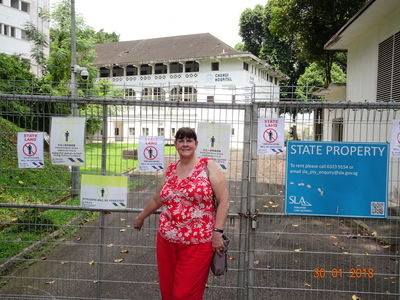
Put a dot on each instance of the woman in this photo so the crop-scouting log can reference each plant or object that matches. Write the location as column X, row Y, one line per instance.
column 190, row 229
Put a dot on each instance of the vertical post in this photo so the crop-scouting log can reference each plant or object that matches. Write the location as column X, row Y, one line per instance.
column 252, row 198
column 74, row 93
column 243, row 230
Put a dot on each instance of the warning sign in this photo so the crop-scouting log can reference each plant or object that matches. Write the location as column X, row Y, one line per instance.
column 214, row 140
column 30, row 150
column 151, row 153
column 104, row 192
column 270, row 136
column 67, row 141
column 395, row 142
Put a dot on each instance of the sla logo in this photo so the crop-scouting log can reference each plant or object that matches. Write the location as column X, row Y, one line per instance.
column 300, row 201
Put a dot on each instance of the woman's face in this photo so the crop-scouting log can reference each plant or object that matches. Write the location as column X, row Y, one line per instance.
column 186, row 147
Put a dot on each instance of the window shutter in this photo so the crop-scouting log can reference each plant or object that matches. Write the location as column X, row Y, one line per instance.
column 385, row 57
column 396, row 68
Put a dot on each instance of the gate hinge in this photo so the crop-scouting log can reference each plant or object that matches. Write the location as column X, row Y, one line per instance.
column 251, row 216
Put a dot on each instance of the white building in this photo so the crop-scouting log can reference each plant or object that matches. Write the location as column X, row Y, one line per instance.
column 191, row 68
column 372, row 40
column 14, row 14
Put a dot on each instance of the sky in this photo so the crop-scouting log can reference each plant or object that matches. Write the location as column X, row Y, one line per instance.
column 144, row 19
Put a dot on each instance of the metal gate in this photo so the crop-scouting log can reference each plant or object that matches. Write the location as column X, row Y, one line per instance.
column 53, row 248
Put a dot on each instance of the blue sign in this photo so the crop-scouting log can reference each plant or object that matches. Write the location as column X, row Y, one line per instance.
column 337, row 179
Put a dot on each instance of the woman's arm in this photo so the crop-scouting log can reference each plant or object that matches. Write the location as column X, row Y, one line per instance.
column 220, row 189
column 151, row 206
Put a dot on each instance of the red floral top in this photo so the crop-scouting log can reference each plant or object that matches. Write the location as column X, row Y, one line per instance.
column 187, row 214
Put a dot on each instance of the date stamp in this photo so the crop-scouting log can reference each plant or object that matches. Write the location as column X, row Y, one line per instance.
column 356, row 272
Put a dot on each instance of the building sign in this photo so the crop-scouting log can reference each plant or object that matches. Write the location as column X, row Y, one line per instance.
column 222, row 77
column 270, row 136
column 214, row 140
column 67, row 141
column 30, row 150
column 395, row 141
column 104, row 192
column 151, row 153
column 337, row 179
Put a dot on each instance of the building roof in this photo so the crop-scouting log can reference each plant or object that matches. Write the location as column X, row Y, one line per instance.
column 163, row 49
column 174, row 48
column 365, row 19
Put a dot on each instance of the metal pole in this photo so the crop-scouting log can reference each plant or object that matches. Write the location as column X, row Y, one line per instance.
column 74, row 93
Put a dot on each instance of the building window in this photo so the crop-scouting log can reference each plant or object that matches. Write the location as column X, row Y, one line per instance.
column 146, row 93
column 15, row 4
column 190, row 94
column 160, row 69
column 130, row 94
column 175, row 67
column 104, row 72
column 131, row 70
column 388, row 85
column 131, row 130
column 160, row 131
column 118, row 71
column 12, row 31
column 176, row 94
column 146, row 69
column 173, row 131
column 191, row 66
column 210, row 98
column 116, row 131
column 337, row 129
column 145, row 131
column 276, row 81
column 233, row 131
column 6, row 29
column 25, row 6
column 158, row 94
column 215, row 66
column 245, row 66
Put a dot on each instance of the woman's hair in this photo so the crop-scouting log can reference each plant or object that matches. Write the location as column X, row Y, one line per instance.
column 186, row 132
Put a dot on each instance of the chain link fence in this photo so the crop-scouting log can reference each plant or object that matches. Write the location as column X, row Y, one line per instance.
column 52, row 248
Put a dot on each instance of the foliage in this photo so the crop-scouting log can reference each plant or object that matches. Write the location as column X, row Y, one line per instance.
column 240, row 47
column 40, row 43
column 279, row 52
column 312, row 23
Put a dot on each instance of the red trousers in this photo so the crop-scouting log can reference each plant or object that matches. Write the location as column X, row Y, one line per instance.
column 183, row 269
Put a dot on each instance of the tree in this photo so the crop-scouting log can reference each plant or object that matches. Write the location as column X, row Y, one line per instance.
column 279, row 52
column 40, row 43
column 312, row 23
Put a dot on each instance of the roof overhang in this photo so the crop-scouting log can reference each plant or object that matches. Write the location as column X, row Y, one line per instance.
column 367, row 17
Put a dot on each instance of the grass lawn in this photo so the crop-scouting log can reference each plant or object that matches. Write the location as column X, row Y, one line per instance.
column 115, row 163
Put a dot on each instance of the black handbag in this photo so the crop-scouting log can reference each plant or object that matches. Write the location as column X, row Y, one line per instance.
column 219, row 263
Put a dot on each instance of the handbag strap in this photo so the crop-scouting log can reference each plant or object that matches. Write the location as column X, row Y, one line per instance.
column 208, row 176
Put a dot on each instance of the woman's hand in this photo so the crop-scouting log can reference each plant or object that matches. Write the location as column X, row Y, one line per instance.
column 138, row 222
column 217, row 242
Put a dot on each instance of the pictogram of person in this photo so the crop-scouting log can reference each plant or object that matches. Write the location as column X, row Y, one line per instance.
column 270, row 133
column 150, row 150
column 102, row 192
column 212, row 140
column 29, row 149
column 66, row 135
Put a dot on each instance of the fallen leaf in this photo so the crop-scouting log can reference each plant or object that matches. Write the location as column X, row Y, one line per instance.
column 20, row 182
column 63, row 262
column 270, row 202
column 91, row 262
column 307, row 284
column 78, row 238
column 2, row 188
column 345, row 252
column 122, row 230
column 14, row 219
column 366, row 253
column 333, row 237
column 266, row 206
column 231, row 257
column 122, row 219
column 51, row 282
column 274, row 206
column 109, row 245
column 297, row 250
column 43, row 258
column 118, row 260
column 124, row 251
column 256, row 262
column 386, row 246
column 328, row 224
column 374, row 233
column 95, row 281
column 335, row 244
column 295, row 225
column 355, row 297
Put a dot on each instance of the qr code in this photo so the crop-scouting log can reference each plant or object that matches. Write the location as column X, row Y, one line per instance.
column 378, row 208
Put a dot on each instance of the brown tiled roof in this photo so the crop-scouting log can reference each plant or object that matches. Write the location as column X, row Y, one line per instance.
column 163, row 49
